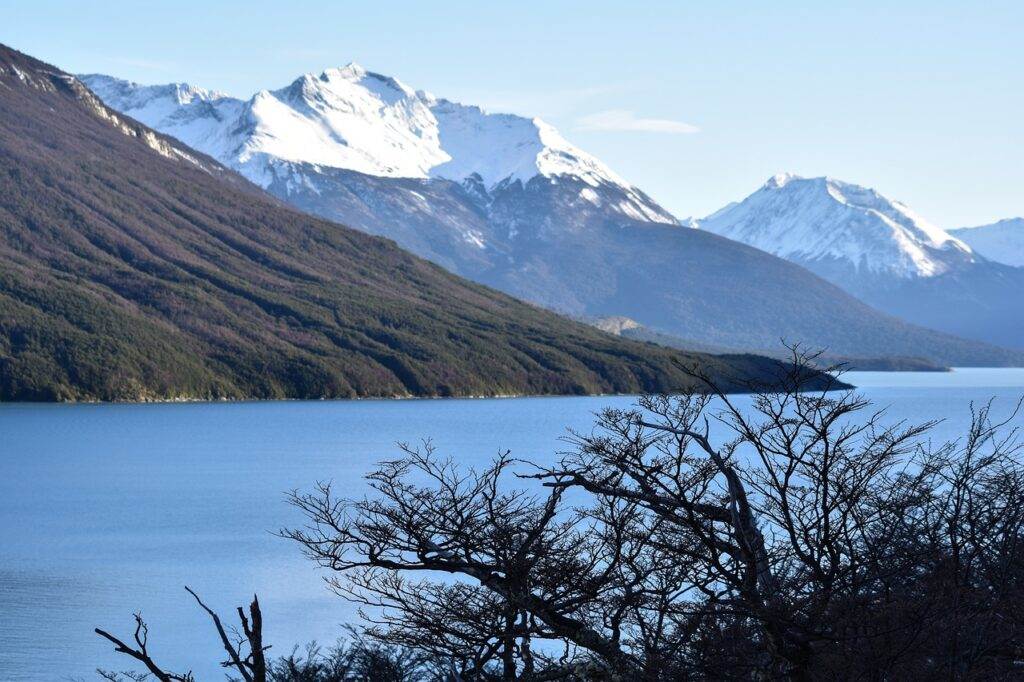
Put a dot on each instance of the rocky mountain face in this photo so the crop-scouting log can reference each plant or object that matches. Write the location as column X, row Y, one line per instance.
column 508, row 202
column 1002, row 242
column 135, row 268
column 882, row 252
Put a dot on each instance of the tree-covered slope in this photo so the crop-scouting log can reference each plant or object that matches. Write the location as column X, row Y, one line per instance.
column 134, row 268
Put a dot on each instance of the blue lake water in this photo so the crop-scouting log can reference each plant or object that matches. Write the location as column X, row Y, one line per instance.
column 110, row 509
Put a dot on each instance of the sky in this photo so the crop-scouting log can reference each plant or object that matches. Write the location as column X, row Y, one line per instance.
column 698, row 104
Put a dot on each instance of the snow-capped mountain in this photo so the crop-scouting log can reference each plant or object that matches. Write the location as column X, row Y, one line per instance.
column 352, row 119
column 846, row 225
column 882, row 252
column 1002, row 241
column 508, row 202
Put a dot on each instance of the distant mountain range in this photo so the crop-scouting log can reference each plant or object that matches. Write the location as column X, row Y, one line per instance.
column 133, row 267
column 1002, row 242
column 631, row 329
column 884, row 253
column 508, row 202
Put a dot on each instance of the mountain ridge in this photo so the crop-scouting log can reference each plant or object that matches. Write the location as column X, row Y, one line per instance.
column 559, row 240
column 358, row 120
column 130, row 271
column 631, row 329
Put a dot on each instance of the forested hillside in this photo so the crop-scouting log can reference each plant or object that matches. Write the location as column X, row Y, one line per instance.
column 132, row 268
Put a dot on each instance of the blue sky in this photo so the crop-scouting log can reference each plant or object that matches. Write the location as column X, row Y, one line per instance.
column 696, row 103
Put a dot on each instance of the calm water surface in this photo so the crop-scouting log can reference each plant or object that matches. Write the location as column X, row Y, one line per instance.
column 110, row 509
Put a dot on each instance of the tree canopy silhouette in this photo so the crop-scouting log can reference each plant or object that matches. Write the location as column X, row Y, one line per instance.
column 787, row 534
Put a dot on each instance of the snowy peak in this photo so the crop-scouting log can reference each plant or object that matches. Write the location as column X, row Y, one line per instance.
column 780, row 180
column 824, row 219
column 385, row 86
column 1002, row 241
column 353, row 119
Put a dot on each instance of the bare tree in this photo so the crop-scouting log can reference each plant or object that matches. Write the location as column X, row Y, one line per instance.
column 245, row 649
column 803, row 516
column 792, row 534
column 140, row 652
column 540, row 577
column 357, row 657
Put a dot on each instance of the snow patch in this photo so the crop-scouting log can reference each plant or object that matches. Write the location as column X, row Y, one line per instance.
column 587, row 194
column 420, row 201
column 475, row 238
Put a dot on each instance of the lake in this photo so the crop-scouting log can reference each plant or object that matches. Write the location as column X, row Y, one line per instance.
column 110, row 509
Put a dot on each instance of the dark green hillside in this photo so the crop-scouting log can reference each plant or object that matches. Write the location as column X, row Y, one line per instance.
column 132, row 268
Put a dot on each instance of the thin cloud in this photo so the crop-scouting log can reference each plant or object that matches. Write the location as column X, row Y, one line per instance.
column 624, row 120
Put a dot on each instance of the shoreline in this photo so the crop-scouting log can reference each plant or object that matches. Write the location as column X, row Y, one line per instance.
column 497, row 396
